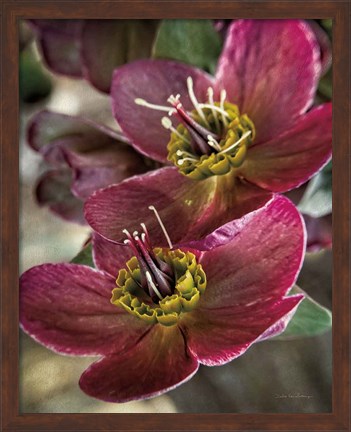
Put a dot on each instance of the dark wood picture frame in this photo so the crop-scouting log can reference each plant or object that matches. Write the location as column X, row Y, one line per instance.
column 15, row 10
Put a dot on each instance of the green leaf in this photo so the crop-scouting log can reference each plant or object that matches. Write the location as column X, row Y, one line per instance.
column 327, row 24
column 195, row 42
column 317, row 199
column 34, row 82
column 325, row 87
column 85, row 256
column 310, row 319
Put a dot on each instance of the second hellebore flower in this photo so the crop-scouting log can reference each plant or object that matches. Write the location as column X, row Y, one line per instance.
column 154, row 314
column 232, row 139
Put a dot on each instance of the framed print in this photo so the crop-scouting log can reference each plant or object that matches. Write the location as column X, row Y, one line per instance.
column 175, row 207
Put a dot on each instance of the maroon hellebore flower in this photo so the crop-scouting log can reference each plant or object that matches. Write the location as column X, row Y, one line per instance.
column 235, row 137
column 84, row 156
column 171, row 308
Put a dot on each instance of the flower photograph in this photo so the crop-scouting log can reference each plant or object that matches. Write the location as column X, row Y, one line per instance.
column 175, row 216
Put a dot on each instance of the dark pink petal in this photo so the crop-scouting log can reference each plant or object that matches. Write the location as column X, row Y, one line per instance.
column 53, row 190
column 44, row 128
column 188, row 209
column 154, row 81
column 60, row 45
column 324, row 46
column 107, row 44
column 232, row 199
column 229, row 230
column 67, row 308
column 278, row 327
column 110, row 257
column 218, row 336
column 178, row 200
column 261, row 261
column 101, row 51
column 293, row 157
column 95, row 152
column 270, row 68
column 25, row 35
column 106, row 164
column 319, row 232
column 68, row 26
column 157, row 363
column 49, row 132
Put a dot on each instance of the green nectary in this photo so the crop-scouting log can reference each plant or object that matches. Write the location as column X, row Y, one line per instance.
column 189, row 285
column 199, row 167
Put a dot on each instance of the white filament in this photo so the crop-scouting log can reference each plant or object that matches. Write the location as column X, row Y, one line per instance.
column 183, row 152
column 162, row 226
column 216, row 108
column 143, row 102
column 181, row 161
column 195, row 102
column 213, row 143
column 245, row 135
column 223, row 97
column 175, row 101
column 211, row 103
column 153, row 286
column 167, row 124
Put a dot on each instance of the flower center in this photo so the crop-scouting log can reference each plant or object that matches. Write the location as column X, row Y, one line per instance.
column 211, row 139
column 158, row 284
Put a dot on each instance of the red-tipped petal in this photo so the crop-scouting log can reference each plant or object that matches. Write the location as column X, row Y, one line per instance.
column 270, row 68
column 189, row 209
column 110, row 257
column 295, row 156
column 278, row 327
column 324, row 45
column 154, row 81
column 262, row 260
column 178, row 200
column 247, row 197
column 216, row 337
column 156, row 364
column 67, row 308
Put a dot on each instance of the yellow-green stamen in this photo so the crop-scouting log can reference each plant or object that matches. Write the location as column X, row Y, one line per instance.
column 189, row 284
column 210, row 140
column 229, row 152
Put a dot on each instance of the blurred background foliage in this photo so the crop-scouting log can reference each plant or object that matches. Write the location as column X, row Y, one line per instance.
column 280, row 375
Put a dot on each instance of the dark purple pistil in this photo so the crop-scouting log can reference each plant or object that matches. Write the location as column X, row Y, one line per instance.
column 161, row 274
column 198, row 133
